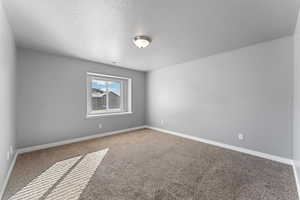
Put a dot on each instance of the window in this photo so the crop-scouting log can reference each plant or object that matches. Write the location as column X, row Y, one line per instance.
column 108, row 95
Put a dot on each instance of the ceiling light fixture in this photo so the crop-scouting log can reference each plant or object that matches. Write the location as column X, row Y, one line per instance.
column 141, row 41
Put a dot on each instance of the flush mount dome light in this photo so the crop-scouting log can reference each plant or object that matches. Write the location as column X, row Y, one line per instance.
column 141, row 41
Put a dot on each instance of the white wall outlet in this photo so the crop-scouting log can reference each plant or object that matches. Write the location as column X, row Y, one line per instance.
column 241, row 136
column 162, row 122
column 11, row 150
column 99, row 125
column 7, row 155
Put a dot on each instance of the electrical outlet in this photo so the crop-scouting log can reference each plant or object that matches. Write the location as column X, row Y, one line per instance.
column 7, row 155
column 11, row 150
column 99, row 125
column 241, row 136
column 162, row 122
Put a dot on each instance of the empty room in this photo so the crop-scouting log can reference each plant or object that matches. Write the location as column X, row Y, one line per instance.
column 149, row 100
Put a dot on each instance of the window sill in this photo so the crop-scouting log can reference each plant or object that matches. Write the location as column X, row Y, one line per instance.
column 107, row 114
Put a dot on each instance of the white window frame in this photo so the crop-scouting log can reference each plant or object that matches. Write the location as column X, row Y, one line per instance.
column 118, row 111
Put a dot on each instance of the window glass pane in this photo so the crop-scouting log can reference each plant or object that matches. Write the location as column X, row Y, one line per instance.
column 98, row 94
column 114, row 94
column 107, row 95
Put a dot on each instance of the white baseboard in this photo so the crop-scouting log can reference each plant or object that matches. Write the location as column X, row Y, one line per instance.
column 54, row 144
column 296, row 179
column 227, row 146
column 11, row 167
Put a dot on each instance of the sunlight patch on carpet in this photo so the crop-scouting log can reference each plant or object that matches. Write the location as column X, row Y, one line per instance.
column 75, row 182
column 64, row 180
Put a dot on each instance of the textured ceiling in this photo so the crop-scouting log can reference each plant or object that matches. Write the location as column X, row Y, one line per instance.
column 181, row 30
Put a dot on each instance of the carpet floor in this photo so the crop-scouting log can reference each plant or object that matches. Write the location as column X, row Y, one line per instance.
column 147, row 165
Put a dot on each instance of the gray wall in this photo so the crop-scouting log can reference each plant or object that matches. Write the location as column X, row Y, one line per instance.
column 296, row 122
column 247, row 91
column 51, row 99
column 7, row 92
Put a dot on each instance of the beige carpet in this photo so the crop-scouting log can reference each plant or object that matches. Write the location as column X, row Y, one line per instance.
column 147, row 165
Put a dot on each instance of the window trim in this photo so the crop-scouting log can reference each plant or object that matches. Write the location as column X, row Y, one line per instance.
column 121, row 111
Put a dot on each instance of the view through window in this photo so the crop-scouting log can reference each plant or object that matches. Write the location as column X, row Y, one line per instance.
column 108, row 94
